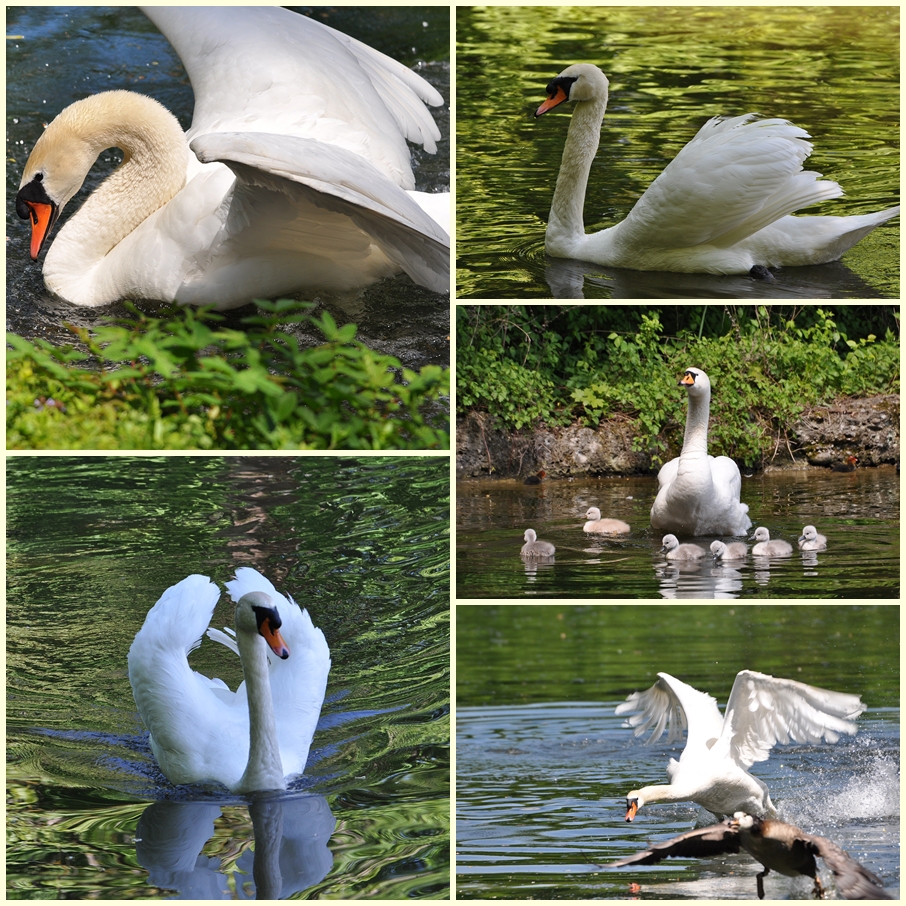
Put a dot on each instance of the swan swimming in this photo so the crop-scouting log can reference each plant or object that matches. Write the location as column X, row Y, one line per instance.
column 722, row 206
column 294, row 177
column 256, row 737
column 698, row 494
column 712, row 770
column 604, row 526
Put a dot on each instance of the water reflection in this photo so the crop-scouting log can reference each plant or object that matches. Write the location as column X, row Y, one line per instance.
column 289, row 852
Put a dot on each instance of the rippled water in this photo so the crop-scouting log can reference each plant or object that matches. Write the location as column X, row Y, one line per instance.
column 858, row 512
column 543, row 763
column 834, row 72
column 62, row 54
column 93, row 542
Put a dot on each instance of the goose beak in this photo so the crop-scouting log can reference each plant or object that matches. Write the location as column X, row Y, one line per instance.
column 632, row 808
column 272, row 636
column 556, row 98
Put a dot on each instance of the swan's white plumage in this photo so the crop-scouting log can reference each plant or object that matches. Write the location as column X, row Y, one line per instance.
column 302, row 180
column 767, row 547
column 761, row 711
column 199, row 729
column 596, row 524
column 673, row 550
column 723, row 205
column 699, row 494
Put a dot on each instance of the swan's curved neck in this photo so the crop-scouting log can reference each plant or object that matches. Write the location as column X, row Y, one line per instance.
column 264, row 770
column 695, row 439
column 578, row 153
column 155, row 158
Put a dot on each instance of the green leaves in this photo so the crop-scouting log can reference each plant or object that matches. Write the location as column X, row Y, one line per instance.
column 181, row 381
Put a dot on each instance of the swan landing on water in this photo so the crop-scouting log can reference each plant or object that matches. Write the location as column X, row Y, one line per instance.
column 722, row 206
column 294, row 177
column 256, row 737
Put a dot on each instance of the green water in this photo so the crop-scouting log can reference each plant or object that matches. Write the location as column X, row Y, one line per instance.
column 833, row 71
column 363, row 544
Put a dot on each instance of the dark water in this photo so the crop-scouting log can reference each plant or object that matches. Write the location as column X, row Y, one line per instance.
column 543, row 764
column 93, row 542
column 835, row 72
column 62, row 54
column 858, row 512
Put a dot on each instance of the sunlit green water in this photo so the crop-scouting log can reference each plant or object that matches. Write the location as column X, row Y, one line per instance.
column 93, row 542
column 544, row 764
column 834, row 71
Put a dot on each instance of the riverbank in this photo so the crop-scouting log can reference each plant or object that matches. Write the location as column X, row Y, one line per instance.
column 867, row 428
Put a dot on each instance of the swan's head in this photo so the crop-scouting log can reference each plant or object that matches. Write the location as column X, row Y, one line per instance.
column 530, row 535
column 761, row 534
column 635, row 799
column 696, row 382
column 255, row 615
column 579, row 82
column 809, row 533
column 718, row 548
column 593, row 513
column 669, row 542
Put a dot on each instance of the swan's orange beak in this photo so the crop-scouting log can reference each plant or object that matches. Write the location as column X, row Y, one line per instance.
column 687, row 380
column 42, row 219
column 557, row 98
column 632, row 808
column 272, row 636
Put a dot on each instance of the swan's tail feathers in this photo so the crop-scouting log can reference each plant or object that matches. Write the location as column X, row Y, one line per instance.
column 794, row 241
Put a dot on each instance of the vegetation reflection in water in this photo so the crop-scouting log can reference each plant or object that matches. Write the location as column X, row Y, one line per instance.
column 363, row 544
column 834, row 73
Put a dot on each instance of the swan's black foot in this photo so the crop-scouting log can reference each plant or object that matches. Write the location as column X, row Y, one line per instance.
column 760, row 272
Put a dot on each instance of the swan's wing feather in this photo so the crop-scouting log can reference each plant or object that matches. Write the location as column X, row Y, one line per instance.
column 763, row 710
column 296, row 170
column 706, row 841
column 271, row 70
column 199, row 730
column 735, row 177
column 299, row 683
column 675, row 706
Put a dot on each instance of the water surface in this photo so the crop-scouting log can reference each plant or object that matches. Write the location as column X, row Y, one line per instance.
column 858, row 512
column 543, row 764
column 92, row 544
column 833, row 71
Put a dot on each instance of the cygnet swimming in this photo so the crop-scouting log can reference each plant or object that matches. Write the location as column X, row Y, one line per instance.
column 768, row 548
column 677, row 551
column 735, row 550
column 597, row 524
column 535, row 548
column 810, row 540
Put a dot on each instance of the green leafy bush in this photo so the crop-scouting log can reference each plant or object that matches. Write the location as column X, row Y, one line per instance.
column 178, row 381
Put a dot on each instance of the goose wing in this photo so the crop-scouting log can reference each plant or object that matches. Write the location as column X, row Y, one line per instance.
column 763, row 710
column 853, row 879
column 737, row 176
column 706, row 841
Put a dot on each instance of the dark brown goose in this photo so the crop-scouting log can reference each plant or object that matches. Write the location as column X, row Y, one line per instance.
column 780, row 847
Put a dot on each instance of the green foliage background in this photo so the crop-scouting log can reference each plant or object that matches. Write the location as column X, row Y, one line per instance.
column 583, row 364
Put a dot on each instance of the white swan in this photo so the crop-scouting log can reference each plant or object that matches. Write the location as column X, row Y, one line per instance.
column 760, row 712
column 294, row 176
column 734, row 550
column 720, row 207
column 250, row 739
column 535, row 548
column 698, row 494
column 597, row 524
column 768, row 548
column 810, row 540
column 676, row 551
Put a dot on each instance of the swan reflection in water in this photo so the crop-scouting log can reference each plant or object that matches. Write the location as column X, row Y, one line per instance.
column 290, row 852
